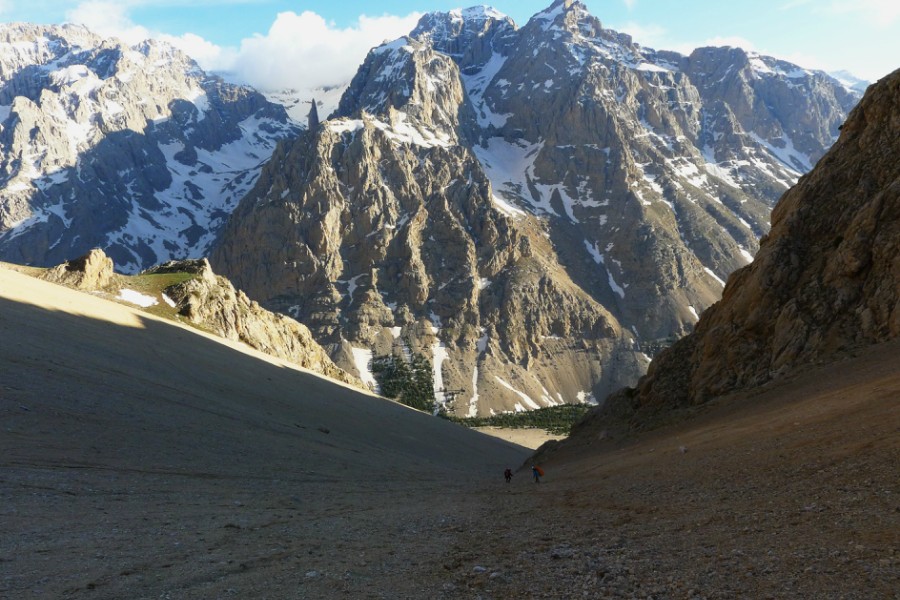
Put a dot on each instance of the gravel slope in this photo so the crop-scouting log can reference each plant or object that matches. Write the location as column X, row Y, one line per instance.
column 143, row 460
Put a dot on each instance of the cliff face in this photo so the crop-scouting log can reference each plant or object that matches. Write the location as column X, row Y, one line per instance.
column 211, row 302
column 379, row 231
column 208, row 301
column 825, row 280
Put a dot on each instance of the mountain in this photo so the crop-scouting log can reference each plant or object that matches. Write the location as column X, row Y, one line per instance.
column 825, row 282
column 851, row 81
column 535, row 207
column 133, row 149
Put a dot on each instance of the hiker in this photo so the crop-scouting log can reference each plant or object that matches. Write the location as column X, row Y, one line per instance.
column 507, row 474
column 536, row 473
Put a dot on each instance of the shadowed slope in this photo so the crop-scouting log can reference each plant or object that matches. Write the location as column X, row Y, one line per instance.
column 157, row 459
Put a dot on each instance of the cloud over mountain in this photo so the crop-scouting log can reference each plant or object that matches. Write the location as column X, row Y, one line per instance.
column 298, row 51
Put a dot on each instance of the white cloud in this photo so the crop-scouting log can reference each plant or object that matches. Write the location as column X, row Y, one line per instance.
column 300, row 51
column 109, row 19
column 630, row 3
column 304, row 51
column 208, row 55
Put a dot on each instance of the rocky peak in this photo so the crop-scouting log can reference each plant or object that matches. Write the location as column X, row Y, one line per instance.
column 408, row 86
column 470, row 36
column 481, row 176
column 312, row 120
column 93, row 271
column 793, row 112
column 566, row 16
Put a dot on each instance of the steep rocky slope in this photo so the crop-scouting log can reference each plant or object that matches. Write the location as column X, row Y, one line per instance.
column 826, row 279
column 133, row 149
column 536, row 207
column 210, row 301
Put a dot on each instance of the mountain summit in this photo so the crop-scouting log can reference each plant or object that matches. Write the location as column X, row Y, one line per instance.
column 536, row 208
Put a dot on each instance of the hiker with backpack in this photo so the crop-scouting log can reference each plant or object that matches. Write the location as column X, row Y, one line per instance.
column 536, row 472
column 507, row 474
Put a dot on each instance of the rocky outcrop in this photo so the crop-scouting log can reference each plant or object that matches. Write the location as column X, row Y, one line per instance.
column 93, row 271
column 133, row 149
column 213, row 303
column 826, row 279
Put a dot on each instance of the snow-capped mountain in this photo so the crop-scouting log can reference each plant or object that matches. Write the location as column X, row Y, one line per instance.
column 535, row 207
column 851, row 81
column 132, row 149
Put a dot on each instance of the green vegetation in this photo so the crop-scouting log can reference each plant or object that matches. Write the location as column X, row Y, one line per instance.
column 153, row 284
column 557, row 420
column 408, row 381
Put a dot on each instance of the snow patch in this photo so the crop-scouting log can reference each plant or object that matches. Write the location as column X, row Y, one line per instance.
column 586, row 397
column 714, row 276
column 525, row 397
column 362, row 359
column 438, row 356
column 137, row 298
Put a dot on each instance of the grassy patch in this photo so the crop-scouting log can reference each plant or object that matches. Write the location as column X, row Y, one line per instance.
column 156, row 283
column 557, row 420
column 153, row 285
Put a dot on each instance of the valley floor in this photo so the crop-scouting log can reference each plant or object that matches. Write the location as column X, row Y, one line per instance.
column 789, row 492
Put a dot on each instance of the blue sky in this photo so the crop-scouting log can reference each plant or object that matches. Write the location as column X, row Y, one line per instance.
column 280, row 43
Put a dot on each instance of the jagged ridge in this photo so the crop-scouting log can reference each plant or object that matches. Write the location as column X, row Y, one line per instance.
column 825, row 281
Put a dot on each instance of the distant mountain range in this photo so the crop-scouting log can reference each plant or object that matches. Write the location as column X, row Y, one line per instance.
column 538, row 209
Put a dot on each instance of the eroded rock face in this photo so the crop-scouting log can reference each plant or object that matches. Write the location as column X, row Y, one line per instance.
column 530, row 207
column 826, row 278
column 211, row 302
column 93, row 271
